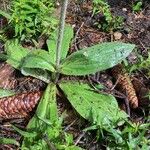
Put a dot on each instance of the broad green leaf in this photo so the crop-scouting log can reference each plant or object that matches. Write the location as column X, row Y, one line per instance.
column 96, row 58
column 101, row 109
column 52, row 43
column 48, row 107
column 36, row 73
column 6, row 93
column 46, row 115
column 38, row 59
column 15, row 53
column 37, row 64
column 8, row 141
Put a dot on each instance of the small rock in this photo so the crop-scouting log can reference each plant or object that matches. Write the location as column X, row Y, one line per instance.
column 117, row 35
column 129, row 36
column 124, row 9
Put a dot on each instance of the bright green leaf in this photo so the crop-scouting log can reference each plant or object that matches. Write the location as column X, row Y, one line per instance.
column 73, row 148
column 48, row 107
column 45, row 116
column 8, row 141
column 38, row 59
column 15, row 53
column 36, row 73
column 24, row 133
column 96, row 58
column 101, row 109
column 6, row 93
column 52, row 43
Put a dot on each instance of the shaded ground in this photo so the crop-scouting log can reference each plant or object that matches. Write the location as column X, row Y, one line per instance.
column 136, row 29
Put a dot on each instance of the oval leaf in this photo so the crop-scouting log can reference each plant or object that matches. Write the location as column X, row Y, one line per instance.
column 15, row 53
column 101, row 109
column 37, row 64
column 38, row 59
column 96, row 58
column 36, row 73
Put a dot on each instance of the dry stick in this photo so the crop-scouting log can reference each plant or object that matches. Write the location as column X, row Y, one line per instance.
column 80, row 137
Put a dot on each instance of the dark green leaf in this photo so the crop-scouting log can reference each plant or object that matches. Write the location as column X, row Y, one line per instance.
column 101, row 109
column 15, row 53
column 96, row 58
column 3, row 57
column 52, row 43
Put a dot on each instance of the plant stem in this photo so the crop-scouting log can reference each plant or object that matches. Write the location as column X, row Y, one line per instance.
column 61, row 32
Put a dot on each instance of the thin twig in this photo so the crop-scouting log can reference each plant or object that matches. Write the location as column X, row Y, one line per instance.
column 67, row 128
column 51, row 145
column 79, row 138
column 76, row 36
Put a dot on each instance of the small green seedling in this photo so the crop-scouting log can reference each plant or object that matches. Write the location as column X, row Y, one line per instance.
column 31, row 19
column 137, row 7
column 111, row 22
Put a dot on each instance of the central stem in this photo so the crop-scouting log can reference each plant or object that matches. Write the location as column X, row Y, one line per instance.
column 61, row 32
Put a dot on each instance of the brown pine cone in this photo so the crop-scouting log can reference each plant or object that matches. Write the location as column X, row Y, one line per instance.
column 125, row 85
column 7, row 80
column 19, row 105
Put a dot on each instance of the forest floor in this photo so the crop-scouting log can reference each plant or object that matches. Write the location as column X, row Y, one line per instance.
column 135, row 29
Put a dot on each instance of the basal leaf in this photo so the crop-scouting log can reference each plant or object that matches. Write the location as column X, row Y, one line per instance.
column 100, row 109
column 38, row 59
column 15, row 53
column 52, row 43
column 5, row 93
column 38, row 65
column 36, row 73
column 48, row 107
column 46, row 114
column 96, row 58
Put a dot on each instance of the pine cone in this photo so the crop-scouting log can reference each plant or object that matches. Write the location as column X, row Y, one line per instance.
column 19, row 105
column 7, row 80
column 125, row 85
